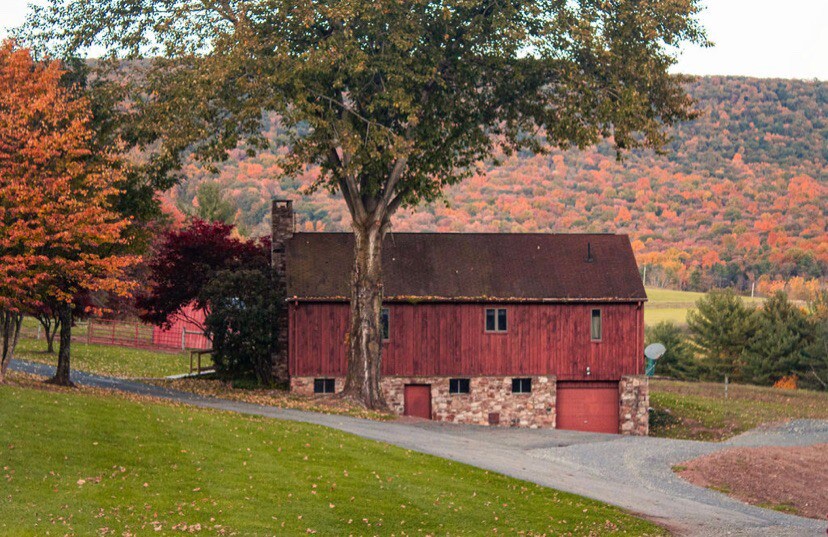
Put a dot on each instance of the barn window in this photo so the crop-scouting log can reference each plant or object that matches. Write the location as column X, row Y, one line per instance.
column 595, row 325
column 496, row 320
column 522, row 385
column 324, row 385
column 457, row 386
column 385, row 321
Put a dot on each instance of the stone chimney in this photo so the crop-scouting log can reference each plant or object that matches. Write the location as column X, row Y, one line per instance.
column 282, row 223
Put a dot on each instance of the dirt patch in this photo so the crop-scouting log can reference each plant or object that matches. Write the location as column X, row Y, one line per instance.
column 788, row 479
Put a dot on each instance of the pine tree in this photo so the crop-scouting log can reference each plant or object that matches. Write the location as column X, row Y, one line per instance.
column 721, row 327
column 678, row 361
column 777, row 349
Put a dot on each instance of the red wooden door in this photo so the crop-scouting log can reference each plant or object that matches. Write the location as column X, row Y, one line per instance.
column 588, row 406
column 418, row 400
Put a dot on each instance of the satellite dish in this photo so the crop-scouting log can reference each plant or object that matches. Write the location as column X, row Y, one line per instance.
column 654, row 351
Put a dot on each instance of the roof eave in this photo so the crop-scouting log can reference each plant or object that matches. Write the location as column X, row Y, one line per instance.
column 474, row 299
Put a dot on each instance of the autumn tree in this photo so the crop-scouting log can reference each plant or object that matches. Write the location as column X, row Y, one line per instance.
column 393, row 101
column 183, row 261
column 57, row 227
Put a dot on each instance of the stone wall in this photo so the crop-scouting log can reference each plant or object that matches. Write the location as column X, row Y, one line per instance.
column 490, row 401
column 281, row 231
column 634, row 392
column 304, row 385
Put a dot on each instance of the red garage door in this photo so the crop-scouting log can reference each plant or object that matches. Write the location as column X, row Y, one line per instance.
column 588, row 406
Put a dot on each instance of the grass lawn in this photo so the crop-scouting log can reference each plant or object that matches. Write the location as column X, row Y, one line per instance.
column 699, row 411
column 671, row 305
column 84, row 464
column 109, row 360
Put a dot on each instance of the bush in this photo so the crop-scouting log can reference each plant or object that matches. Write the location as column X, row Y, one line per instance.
column 242, row 323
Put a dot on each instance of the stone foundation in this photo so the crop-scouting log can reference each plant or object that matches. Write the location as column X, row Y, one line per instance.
column 491, row 401
column 634, row 392
column 304, row 385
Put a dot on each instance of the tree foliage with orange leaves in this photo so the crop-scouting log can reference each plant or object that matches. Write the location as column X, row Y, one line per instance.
column 58, row 231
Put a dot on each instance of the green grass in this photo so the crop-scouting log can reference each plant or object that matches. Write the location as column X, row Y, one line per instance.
column 658, row 295
column 89, row 464
column 655, row 315
column 699, row 411
column 672, row 305
column 781, row 507
column 109, row 360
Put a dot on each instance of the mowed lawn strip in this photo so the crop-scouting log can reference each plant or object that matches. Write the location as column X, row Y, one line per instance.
column 699, row 410
column 671, row 305
column 84, row 464
column 123, row 362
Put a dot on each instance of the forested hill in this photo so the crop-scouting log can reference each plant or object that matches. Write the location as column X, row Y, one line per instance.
column 741, row 193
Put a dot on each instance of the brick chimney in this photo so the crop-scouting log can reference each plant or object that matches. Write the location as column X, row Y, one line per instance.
column 282, row 223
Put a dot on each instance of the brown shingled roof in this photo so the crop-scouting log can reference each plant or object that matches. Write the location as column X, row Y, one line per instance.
column 472, row 266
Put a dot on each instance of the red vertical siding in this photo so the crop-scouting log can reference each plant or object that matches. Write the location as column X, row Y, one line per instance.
column 449, row 339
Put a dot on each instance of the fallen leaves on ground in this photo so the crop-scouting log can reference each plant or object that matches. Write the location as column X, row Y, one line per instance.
column 326, row 404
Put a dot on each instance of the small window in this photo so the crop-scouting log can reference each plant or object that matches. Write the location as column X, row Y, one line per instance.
column 496, row 320
column 595, row 325
column 324, row 385
column 457, row 386
column 385, row 321
column 522, row 385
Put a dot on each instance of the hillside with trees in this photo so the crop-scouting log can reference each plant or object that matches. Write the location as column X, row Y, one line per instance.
column 739, row 196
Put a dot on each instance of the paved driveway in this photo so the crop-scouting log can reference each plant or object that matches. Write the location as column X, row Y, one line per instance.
column 633, row 473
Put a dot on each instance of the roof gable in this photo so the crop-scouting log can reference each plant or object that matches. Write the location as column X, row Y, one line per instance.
column 472, row 266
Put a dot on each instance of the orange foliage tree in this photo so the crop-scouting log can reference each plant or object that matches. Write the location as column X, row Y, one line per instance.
column 58, row 231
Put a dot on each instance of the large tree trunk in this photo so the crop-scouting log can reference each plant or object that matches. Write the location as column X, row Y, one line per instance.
column 10, row 323
column 365, row 351
column 61, row 377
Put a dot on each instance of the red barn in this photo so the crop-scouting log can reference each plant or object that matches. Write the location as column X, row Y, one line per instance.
column 533, row 330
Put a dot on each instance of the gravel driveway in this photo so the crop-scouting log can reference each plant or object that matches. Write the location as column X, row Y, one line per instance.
column 631, row 472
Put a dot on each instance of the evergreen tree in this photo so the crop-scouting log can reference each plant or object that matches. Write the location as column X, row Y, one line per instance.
column 678, row 362
column 721, row 327
column 212, row 206
column 777, row 349
column 815, row 361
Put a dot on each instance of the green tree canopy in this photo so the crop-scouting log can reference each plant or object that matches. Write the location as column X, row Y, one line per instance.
column 678, row 361
column 392, row 100
column 212, row 206
column 721, row 326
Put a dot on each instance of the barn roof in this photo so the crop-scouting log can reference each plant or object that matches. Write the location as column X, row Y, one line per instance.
column 472, row 267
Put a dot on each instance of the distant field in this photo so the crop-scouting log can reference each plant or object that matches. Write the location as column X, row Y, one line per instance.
column 671, row 305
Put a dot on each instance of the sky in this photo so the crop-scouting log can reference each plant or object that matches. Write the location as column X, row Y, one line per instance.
column 761, row 38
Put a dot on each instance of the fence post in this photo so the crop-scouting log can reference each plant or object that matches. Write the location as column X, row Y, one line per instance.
column 136, row 334
column 89, row 331
column 183, row 338
column 38, row 331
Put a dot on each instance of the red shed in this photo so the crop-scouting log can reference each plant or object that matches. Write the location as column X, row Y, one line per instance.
column 534, row 330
